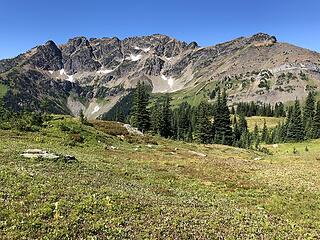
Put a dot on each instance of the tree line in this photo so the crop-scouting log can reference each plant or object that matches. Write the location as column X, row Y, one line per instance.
column 216, row 123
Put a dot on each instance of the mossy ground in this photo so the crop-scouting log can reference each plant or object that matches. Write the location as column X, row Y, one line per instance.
column 158, row 191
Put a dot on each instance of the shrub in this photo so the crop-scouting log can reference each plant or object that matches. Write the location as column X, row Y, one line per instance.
column 110, row 128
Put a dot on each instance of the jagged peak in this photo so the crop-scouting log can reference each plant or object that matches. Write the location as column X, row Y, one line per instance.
column 259, row 37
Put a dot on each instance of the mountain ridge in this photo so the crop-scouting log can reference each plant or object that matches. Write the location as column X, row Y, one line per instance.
column 96, row 73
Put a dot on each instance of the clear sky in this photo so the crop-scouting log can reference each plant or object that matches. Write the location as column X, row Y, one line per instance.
column 27, row 23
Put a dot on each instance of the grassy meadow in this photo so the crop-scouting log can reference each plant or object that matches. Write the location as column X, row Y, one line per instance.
column 134, row 187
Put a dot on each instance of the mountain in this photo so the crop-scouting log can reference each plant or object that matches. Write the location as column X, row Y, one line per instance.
column 96, row 74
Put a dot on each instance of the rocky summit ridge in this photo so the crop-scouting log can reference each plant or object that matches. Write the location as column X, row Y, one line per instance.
column 95, row 74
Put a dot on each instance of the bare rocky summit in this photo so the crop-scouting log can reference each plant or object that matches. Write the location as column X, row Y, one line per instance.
column 95, row 74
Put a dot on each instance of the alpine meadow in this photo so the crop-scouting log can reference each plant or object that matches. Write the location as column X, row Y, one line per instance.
column 120, row 132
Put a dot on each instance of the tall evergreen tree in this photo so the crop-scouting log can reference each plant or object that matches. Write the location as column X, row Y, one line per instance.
column 295, row 130
column 222, row 122
column 155, row 117
column 316, row 122
column 308, row 114
column 243, row 125
column 140, row 117
column 236, row 131
column 203, row 128
column 166, row 118
column 264, row 134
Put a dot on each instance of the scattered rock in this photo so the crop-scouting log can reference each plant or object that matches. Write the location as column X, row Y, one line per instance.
column 197, row 153
column 132, row 130
column 257, row 158
column 111, row 148
column 69, row 158
column 275, row 145
column 43, row 154
column 38, row 153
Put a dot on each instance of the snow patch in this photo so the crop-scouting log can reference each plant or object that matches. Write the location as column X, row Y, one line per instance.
column 96, row 109
column 51, row 72
column 134, row 58
column 70, row 78
column 62, row 72
column 146, row 49
column 164, row 77
column 104, row 71
column 143, row 49
column 170, row 80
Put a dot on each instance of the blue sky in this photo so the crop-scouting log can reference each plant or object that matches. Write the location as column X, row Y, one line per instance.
column 27, row 23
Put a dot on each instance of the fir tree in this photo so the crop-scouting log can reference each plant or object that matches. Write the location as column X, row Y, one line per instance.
column 166, row 118
column 155, row 118
column 308, row 114
column 236, row 131
column 295, row 131
column 203, row 131
column 264, row 134
column 243, row 125
column 83, row 119
column 140, row 113
column 222, row 123
column 316, row 122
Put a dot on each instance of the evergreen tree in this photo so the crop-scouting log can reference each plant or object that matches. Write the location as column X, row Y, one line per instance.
column 308, row 114
column 83, row 119
column 155, row 117
column 295, row 131
column 264, row 134
column 203, row 128
column 222, row 123
column 120, row 116
column 166, row 118
column 140, row 113
column 183, row 121
column 316, row 122
column 243, row 125
column 236, row 131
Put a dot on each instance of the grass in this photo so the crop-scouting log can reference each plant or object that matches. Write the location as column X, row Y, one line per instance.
column 3, row 90
column 162, row 190
column 271, row 122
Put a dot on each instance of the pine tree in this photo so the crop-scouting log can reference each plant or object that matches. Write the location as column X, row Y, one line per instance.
column 83, row 119
column 155, row 118
column 203, row 128
column 166, row 118
column 222, row 123
column 295, row 131
column 140, row 113
column 316, row 122
column 308, row 114
column 264, row 134
column 236, row 131
column 243, row 125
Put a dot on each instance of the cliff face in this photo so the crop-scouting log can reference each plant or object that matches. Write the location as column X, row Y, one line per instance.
column 94, row 74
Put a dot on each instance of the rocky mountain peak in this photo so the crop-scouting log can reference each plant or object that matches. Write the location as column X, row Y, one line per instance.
column 46, row 57
column 254, row 68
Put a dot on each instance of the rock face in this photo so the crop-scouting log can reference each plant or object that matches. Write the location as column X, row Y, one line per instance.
column 94, row 74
